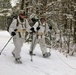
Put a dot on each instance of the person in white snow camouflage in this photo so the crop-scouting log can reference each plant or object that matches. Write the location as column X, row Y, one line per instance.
column 18, row 29
column 39, row 30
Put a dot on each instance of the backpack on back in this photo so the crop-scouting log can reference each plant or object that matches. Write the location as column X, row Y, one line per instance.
column 10, row 19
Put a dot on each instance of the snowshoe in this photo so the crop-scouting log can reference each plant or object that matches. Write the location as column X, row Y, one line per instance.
column 47, row 54
column 18, row 61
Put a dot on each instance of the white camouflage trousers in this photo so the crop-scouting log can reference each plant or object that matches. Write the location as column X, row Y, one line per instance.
column 41, row 42
column 18, row 43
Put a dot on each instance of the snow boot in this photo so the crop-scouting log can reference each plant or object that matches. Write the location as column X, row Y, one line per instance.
column 47, row 54
column 31, row 53
column 17, row 60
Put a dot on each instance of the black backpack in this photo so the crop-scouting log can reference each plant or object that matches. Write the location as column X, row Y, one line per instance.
column 10, row 19
column 34, row 20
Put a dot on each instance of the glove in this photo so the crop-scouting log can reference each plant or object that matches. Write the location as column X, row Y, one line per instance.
column 50, row 27
column 32, row 29
column 31, row 52
column 38, row 28
column 13, row 33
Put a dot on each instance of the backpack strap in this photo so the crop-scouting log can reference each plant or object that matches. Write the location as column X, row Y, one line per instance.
column 17, row 23
column 17, row 26
column 39, row 25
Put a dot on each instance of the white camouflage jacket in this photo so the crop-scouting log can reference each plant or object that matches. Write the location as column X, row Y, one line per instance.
column 44, row 28
column 22, row 27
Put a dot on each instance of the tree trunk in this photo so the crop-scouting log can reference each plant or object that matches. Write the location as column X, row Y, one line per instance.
column 22, row 5
column 75, row 27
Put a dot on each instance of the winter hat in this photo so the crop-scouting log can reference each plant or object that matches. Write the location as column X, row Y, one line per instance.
column 22, row 12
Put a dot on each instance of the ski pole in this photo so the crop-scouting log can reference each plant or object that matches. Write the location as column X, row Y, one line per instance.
column 33, row 43
column 31, row 58
column 5, row 45
column 32, row 48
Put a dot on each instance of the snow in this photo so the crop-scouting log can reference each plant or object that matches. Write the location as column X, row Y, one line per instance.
column 57, row 64
column 50, row 4
column 13, row 2
column 59, row 0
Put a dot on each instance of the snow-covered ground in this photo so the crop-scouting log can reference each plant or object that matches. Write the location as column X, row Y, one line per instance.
column 57, row 64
